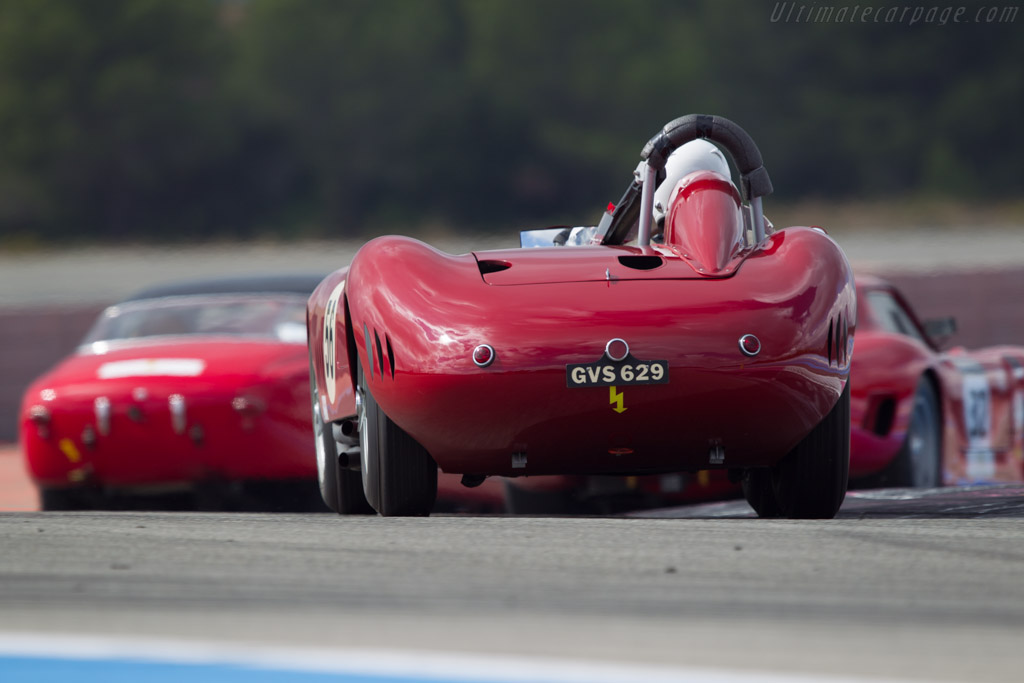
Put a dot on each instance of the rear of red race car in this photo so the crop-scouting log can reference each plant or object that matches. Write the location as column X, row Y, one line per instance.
column 716, row 343
column 594, row 366
column 149, row 417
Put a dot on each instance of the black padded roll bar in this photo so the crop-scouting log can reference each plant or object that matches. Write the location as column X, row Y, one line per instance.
column 753, row 176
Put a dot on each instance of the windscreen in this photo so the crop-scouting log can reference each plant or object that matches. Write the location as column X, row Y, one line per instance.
column 281, row 317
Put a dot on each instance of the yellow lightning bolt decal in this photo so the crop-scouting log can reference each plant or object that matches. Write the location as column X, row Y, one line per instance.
column 68, row 448
column 614, row 397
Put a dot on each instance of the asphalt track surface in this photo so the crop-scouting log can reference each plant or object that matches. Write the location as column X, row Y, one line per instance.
column 923, row 586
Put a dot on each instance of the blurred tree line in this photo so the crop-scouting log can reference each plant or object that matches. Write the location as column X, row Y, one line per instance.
column 177, row 119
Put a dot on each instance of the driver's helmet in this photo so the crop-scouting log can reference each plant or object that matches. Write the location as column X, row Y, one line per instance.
column 696, row 155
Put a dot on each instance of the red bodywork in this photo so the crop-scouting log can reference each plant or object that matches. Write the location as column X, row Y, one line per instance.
column 982, row 417
column 412, row 317
column 981, row 394
column 244, row 416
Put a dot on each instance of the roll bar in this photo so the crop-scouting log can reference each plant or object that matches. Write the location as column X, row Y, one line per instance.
column 754, row 180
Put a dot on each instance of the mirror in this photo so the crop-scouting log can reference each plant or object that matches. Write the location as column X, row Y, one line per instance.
column 940, row 330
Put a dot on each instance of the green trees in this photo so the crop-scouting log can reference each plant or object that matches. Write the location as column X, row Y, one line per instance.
column 170, row 119
column 110, row 114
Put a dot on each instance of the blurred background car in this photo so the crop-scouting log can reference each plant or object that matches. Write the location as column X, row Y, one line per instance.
column 927, row 418
column 195, row 388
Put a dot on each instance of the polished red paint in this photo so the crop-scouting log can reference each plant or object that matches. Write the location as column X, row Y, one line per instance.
column 884, row 375
column 412, row 317
column 267, row 436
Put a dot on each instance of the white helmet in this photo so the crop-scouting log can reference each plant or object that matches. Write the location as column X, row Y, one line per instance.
column 696, row 155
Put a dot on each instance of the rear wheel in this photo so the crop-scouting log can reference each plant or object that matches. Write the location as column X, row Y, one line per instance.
column 759, row 490
column 399, row 476
column 341, row 489
column 810, row 482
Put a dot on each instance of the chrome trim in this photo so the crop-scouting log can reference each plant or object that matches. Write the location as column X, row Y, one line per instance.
column 743, row 349
column 489, row 361
column 176, row 403
column 608, row 346
column 757, row 210
column 39, row 414
column 101, row 406
column 643, row 238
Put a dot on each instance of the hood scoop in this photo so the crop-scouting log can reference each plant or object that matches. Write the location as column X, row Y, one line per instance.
column 642, row 261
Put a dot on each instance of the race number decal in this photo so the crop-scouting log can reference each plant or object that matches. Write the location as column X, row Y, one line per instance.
column 330, row 344
column 977, row 400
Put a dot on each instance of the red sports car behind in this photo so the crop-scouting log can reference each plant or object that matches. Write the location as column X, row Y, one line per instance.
column 199, row 388
column 922, row 417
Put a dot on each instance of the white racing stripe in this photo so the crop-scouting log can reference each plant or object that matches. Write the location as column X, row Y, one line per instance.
column 407, row 664
column 152, row 367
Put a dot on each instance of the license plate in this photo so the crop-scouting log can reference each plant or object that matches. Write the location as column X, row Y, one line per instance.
column 605, row 373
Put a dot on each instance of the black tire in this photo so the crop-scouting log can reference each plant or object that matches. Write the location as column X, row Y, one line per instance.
column 341, row 489
column 66, row 499
column 399, row 476
column 759, row 490
column 919, row 462
column 810, row 482
column 522, row 501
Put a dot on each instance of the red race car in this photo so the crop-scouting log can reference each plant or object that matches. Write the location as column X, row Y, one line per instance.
column 681, row 333
column 198, row 388
column 925, row 418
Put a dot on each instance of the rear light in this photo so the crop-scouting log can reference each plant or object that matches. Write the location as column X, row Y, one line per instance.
column 39, row 414
column 617, row 349
column 483, row 355
column 750, row 345
column 247, row 407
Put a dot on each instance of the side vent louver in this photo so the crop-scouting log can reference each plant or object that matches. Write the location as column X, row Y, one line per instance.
column 375, row 351
column 380, row 354
column 828, row 343
column 391, row 355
